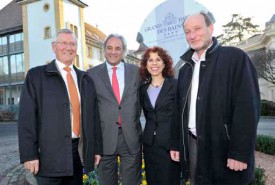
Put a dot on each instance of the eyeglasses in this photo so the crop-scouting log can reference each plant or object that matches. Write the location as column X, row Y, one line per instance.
column 66, row 44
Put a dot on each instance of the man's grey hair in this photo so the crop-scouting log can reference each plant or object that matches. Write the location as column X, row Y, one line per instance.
column 65, row 30
column 120, row 37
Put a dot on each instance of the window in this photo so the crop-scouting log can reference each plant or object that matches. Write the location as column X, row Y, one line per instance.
column 101, row 55
column 76, row 61
column 76, row 31
column 90, row 52
column 71, row 27
column 46, row 7
column 11, row 101
column 4, row 66
column 17, row 67
column 4, row 70
column 16, row 37
column 47, row 32
column 97, row 54
column 3, row 41
column 16, row 42
column 3, row 45
column 2, row 97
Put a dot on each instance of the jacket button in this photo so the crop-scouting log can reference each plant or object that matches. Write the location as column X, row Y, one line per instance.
column 67, row 137
column 119, row 107
column 65, row 104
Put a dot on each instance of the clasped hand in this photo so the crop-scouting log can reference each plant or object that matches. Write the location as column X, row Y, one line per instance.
column 32, row 166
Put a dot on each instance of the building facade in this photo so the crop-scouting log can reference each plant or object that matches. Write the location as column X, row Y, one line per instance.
column 26, row 31
column 12, row 66
column 261, row 49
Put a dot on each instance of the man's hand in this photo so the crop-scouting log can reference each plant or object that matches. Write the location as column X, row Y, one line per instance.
column 236, row 165
column 175, row 155
column 32, row 166
column 97, row 159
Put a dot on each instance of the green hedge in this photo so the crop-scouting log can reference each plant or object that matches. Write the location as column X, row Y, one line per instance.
column 267, row 108
column 259, row 177
column 265, row 144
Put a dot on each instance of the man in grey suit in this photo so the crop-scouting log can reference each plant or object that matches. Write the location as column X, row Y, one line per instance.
column 117, row 85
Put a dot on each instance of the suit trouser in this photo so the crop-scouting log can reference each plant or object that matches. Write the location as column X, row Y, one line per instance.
column 76, row 179
column 193, row 157
column 130, row 165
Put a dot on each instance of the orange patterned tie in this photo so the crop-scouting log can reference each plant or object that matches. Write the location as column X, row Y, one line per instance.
column 74, row 101
column 115, row 87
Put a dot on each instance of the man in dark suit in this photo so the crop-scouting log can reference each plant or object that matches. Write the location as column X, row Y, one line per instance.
column 117, row 86
column 58, row 124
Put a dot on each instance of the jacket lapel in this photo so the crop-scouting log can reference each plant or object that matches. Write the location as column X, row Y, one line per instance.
column 128, row 78
column 146, row 101
column 164, row 90
column 103, row 74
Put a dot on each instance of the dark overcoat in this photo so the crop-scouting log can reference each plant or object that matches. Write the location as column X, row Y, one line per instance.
column 227, row 114
column 44, row 123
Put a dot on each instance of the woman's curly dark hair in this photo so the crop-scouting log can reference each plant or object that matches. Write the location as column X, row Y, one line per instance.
column 167, row 72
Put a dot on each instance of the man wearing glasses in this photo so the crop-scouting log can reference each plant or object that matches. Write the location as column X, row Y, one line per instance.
column 58, row 124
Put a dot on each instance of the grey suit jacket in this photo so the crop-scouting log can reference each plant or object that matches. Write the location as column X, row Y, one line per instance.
column 109, row 109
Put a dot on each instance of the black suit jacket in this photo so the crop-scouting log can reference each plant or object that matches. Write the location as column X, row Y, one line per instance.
column 161, row 118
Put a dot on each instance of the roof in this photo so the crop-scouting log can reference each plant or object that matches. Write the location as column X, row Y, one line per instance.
column 11, row 18
column 94, row 32
column 76, row 2
column 79, row 3
column 142, row 47
column 272, row 18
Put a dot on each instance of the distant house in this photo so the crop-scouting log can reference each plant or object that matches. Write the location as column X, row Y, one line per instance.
column 26, row 31
column 261, row 49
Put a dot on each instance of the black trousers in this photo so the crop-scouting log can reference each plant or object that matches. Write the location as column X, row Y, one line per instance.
column 76, row 179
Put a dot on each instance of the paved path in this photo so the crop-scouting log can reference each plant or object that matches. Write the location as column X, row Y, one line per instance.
column 9, row 157
column 266, row 127
column 11, row 172
column 15, row 176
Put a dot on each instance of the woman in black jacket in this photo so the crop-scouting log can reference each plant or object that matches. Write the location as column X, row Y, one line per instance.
column 157, row 93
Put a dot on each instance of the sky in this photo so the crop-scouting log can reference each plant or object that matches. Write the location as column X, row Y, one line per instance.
column 125, row 17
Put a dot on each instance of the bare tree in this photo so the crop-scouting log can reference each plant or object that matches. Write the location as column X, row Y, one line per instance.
column 264, row 60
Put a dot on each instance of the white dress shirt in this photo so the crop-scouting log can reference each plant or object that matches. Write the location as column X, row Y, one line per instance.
column 60, row 67
column 194, row 91
column 120, row 71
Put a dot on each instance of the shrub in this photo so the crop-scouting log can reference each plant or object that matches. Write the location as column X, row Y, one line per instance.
column 6, row 115
column 259, row 177
column 265, row 144
column 267, row 108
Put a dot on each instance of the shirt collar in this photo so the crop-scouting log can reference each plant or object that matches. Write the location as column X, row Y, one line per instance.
column 61, row 66
column 195, row 56
column 119, row 66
